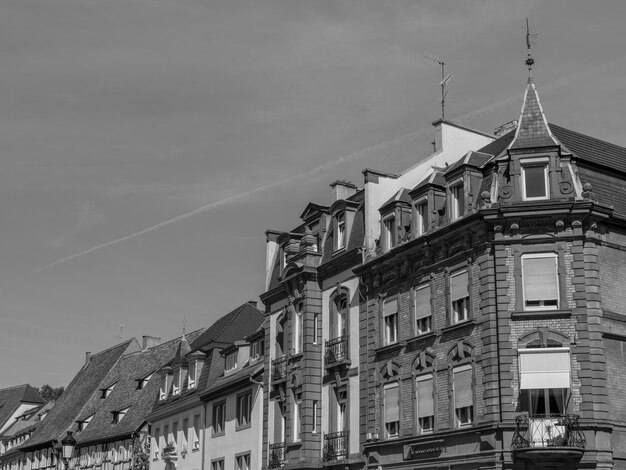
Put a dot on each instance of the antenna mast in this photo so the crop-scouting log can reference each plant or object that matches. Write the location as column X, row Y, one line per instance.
column 530, row 42
column 444, row 81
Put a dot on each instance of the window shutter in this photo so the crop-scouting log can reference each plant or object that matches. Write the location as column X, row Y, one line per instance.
column 392, row 411
column 540, row 278
column 391, row 307
column 278, row 422
column 463, row 394
column 425, row 406
column 422, row 302
column 459, row 286
column 542, row 368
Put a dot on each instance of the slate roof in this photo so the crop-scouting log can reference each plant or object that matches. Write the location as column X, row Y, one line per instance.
column 125, row 394
column 12, row 397
column 532, row 128
column 224, row 382
column 402, row 195
column 471, row 158
column 87, row 381
column 435, row 178
column 241, row 322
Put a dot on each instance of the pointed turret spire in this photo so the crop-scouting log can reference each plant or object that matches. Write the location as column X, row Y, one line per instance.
column 532, row 128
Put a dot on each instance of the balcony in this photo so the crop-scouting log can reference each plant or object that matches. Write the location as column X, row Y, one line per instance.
column 277, row 455
column 548, row 438
column 336, row 445
column 337, row 352
column 279, row 369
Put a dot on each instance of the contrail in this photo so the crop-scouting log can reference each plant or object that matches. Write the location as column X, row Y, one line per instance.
column 353, row 156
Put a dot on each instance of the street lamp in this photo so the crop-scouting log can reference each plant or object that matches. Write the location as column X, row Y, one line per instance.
column 67, row 448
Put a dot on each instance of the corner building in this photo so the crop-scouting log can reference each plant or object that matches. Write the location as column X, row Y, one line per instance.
column 494, row 332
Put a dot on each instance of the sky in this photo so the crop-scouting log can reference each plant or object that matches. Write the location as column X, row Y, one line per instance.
column 146, row 145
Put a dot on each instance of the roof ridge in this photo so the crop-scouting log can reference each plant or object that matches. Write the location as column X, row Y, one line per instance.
column 605, row 142
column 113, row 347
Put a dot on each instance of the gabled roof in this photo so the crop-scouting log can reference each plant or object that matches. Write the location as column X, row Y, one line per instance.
column 434, row 179
column 312, row 208
column 126, row 395
column 239, row 323
column 226, row 382
column 532, row 128
column 471, row 158
column 87, row 381
column 402, row 195
column 12, row 397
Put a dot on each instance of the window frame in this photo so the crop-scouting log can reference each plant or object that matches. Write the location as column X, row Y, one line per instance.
column 297, row 417
column 390, row 229
column 387, row 340
column 219, row 405
column 231, row 356
column 386, row 386
column 535, row 162
column 453, row 317
column 421, row 218
column 423, row 378
column 241, row 459
column 217, row 464
column 176, row 381
column 340, row 230
column 298, row 328
column 457, row 199
column 419, row 287
column 541, row 307
column 458, row 424
column 243, row 410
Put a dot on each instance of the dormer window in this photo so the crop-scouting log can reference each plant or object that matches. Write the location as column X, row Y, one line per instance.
column 458, row 200
column 191, row 377
column 105, row 392
column 256, row 349
column 141, row 383
column 176, row 382
column 421, row 222
column 163, row 388
column 389, row 233
column 230, row 362
column 119, row 415
column 340, row 235
column 82, row 424
column 535, row 179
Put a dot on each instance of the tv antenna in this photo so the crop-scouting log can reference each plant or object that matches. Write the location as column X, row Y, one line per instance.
column 530, row 42
column 444, row 81
column 122, row 325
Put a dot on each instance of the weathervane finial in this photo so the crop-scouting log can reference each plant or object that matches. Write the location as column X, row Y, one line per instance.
column 530, row 41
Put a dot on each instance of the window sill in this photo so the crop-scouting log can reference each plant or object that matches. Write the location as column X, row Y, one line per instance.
column 241, row 428
column 390, row 348
column 423, row 337
column 218, row 434
column 294, row 445
column 456, row 326
column 521, row 314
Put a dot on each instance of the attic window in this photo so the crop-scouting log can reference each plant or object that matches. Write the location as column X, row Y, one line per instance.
column 340, row 235
column 119, row 415
column 535, row 179
column 256, row 349
column 82, row 424
column 141, row 383
column 176, row 386
column 191, row 376
column 458, row 200
column 230, row 362
column 105, row 392
column 389, row 234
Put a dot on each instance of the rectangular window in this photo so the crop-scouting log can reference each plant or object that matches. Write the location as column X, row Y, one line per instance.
column 340, row 239
column 256, row 349
column 423, row 313
column 421, row 225
column 463, row 395
column 298, row 332
column 191, row 377
column 297, row 418
column 540, row 276
column 279, row 423
column 390, row 314
column 535, row 179
column 195, row 445
column 389, row 234
column 166, row 435
column 315, row 411
column 542, row 368
column 230, row 362
column 176, row 382
column 175, row 434
column 244, row 409
column 242, row 462
column 185, row 441
column 317, row 331
column 458, row 201
column 459, row 296
column 391, row 410
column 219, row 418
column 425, row 403
column 163, row 388
column 217, row 464
column 156, row 443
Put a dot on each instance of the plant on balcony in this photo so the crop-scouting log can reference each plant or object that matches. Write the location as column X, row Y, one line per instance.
column 169, row 452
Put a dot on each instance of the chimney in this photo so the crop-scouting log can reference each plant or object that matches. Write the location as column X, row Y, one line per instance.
column 342, row 189
column 252, row 302
column 505, row 128
column 149, row 341
column 87, row 357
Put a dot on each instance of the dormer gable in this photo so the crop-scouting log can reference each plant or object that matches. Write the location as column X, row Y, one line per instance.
column 342, row 214
column 395, row 220
column 463, row 182
column 428, row 202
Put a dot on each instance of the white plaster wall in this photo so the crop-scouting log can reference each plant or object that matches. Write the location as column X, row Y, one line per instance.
column 21, row 409
column 193, row 459
column 234, row 442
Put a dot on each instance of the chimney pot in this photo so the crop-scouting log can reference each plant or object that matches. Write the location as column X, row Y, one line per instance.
column 252, row 302
column 342, row 189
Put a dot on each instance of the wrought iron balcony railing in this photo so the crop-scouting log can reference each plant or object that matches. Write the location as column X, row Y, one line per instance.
column 336, row 351
column 277, row 455
column 279, row 368
column 336, row 445
column 547, row 431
